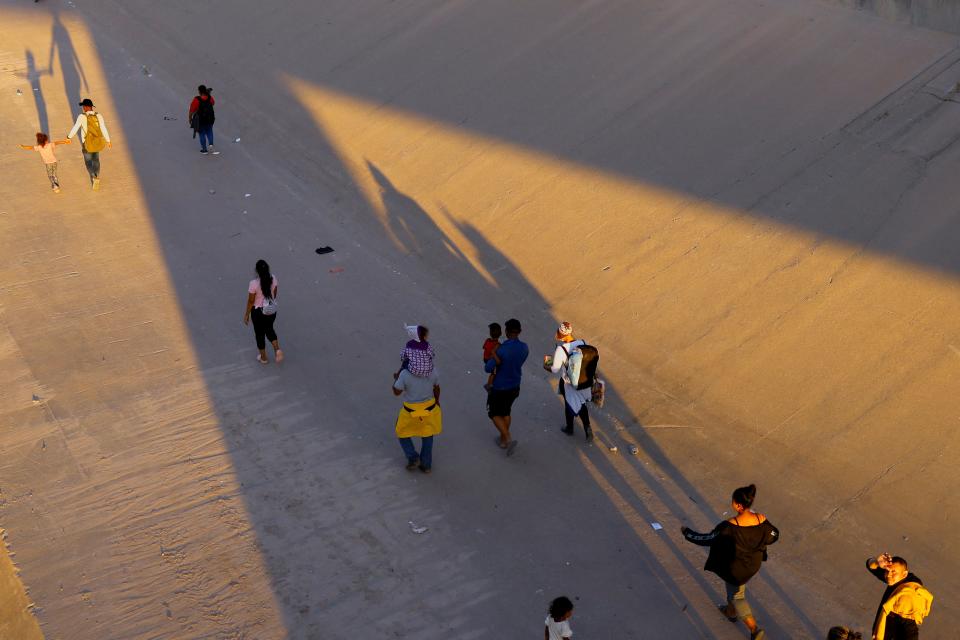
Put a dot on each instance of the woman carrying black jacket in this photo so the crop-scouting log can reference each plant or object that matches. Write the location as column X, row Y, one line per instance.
column 737, row 547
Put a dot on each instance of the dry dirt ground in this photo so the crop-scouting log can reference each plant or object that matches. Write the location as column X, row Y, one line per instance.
column 749, row 207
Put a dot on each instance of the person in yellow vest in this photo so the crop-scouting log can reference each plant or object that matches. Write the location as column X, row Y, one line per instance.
column 93, row 138
column 905, row 603
column 420, row 416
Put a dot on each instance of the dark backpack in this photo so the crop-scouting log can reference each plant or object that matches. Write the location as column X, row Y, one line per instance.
column 589, row 359
column 204, row 114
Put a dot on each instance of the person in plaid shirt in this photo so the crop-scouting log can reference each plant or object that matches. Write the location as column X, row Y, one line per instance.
column 417, row 356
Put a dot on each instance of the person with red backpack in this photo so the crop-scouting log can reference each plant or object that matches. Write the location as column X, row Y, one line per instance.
column 93, row 138
column 576, row 362
column 201, row 118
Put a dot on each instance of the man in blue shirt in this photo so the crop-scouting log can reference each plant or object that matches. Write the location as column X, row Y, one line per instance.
column 507, row 367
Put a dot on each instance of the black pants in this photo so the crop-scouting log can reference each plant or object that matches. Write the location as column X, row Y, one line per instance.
column 570, row 415
column 263, row 327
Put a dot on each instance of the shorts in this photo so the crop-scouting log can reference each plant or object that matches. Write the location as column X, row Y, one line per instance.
column 499, row 401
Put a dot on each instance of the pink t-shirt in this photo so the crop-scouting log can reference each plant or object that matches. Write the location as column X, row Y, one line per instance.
column 46, row 152
column 258, row 294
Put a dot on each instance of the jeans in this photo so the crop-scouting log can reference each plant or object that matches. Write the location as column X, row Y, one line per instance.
column 92, row 160
column 426, row 450
column 52, row 174
column 206, row 136
column 263, row 327
column 737, row 596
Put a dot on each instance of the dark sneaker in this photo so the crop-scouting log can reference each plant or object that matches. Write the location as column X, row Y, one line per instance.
column 567, row 430
column 759, row 634
column 589, row 434
column 413, row 464
column 511, row 447
column 425, row 469
column 203, row 151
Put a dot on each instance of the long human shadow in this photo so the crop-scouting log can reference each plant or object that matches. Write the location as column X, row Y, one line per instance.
column 33, row 75
column 71, row 69
column 417, row 231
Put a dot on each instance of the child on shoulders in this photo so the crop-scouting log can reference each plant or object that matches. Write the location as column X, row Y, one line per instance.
column 417, row 356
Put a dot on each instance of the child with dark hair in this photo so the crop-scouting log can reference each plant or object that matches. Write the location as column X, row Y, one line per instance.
column 557, row 625
column 489, row 347
column 843, row 633
column 417, row 355
column 737, row 548
column 45, row 147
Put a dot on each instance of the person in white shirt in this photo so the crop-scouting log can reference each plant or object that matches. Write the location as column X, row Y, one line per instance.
column 93, row 137
column 557, row 625
column 575, row 400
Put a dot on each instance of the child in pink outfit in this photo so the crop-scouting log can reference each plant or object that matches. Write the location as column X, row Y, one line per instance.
column 417, row 356
column 45, row 147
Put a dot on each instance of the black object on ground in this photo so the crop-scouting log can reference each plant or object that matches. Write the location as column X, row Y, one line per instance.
column 323, row 250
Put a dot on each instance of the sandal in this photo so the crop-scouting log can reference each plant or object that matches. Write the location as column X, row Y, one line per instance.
column 262, row 360
column 279, row 357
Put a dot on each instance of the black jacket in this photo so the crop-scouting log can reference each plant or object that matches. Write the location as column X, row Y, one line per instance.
column 735, row 552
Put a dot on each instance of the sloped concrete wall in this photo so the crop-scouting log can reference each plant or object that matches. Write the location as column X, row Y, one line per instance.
column 943, row 15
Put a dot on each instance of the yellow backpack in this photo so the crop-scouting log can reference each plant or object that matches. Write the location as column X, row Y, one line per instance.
column 911, row 600
column 94, row 141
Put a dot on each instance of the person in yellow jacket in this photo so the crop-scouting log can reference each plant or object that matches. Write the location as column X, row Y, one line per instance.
column 905, row 603
column 419, row 417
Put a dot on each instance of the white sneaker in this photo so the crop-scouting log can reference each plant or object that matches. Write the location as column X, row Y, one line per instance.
column 213, row 151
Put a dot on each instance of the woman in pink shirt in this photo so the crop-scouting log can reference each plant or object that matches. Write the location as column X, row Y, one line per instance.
column 262, row 308
column 45, row 146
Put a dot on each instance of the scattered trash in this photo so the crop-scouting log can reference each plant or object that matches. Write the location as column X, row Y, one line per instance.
column 323, row 250
column 36, row 398
column 656, row 526
column 19, row 93
column 212, row 191
column 36, row 88
column 416, row 529
column 906, row 538
column 43, row 444
column 606, row 268
column 169, row 118
column 247, row 195
column 634, row 450
column 244, row 212
column 614, row 449
column 235, row 140
column 336, row 270
column 145, row 70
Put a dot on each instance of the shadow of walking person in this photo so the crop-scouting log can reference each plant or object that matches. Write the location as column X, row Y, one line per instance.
column 70, row 67
column 33, row 76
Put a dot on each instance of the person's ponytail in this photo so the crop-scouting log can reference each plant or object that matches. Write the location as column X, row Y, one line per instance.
column 266, row 279
column 744, row 496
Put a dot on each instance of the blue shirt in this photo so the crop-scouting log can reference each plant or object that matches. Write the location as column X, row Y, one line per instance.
column 513, row 354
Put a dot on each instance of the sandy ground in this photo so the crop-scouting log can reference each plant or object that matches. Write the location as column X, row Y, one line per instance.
column 746, row 206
